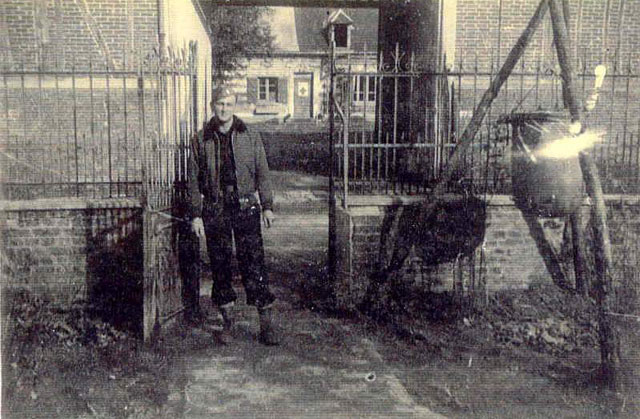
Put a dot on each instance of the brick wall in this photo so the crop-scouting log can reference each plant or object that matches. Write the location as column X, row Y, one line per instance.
column 46, row 31
column 477, row 32
column 480, row 41
column 67, row 250
column 54, row 135
column 43, row 131
column 624, row 228
column 518, row 251
column 47, row 143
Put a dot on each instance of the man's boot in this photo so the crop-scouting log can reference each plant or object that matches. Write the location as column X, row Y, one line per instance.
column 268, row 332
column 226, row 336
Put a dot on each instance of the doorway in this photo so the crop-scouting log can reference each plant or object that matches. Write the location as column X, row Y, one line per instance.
column 303, row 95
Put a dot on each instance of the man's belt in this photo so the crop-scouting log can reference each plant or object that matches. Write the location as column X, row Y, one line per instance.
column 248, row 202
column 243, row 202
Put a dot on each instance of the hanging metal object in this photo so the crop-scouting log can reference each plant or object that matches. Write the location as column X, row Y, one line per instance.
column 546, row 174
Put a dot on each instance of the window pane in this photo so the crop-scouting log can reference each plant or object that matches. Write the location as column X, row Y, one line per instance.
column 358, row 88
column 354, row 87
column 273, row 89
column 268, row 89
column 372, row 89
column 340, row 32
column 262, row 88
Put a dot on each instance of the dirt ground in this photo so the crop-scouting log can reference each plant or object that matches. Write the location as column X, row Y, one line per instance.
column 527, row 354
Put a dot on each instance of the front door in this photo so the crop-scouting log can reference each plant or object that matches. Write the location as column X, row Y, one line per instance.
column 303, row 96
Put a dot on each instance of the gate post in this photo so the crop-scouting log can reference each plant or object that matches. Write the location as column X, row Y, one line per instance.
column 332, row 169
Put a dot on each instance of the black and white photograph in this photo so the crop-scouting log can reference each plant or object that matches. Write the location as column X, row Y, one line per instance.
column 319, row 209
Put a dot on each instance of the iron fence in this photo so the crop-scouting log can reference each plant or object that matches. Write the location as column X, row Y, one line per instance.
column 98, row 132
column 92, row 130
column 399, row 142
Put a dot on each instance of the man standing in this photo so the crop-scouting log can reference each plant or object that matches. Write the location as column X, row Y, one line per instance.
column 228, row 171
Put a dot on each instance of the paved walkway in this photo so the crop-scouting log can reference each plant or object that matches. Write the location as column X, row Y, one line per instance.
column 324, row 368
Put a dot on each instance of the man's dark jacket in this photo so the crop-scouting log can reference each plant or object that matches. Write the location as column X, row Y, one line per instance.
column 251, row 168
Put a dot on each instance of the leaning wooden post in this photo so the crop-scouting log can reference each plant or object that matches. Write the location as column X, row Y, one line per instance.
column 603, row 282
column 575, row 219
column 481, row 110
column 487, row 99
column 578, row 250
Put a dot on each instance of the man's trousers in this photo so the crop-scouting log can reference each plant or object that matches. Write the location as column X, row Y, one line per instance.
column 219, row 224
column 189, row 260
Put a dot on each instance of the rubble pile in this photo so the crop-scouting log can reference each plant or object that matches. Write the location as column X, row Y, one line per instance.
column 69, row 362
column 39, row 322
column 549, row 334
column 546, row 319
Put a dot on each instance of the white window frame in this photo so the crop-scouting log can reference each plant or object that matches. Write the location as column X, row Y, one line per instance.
column 267, row 89
column 364, row 88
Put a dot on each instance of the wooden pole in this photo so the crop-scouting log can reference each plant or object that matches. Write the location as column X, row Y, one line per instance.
column 565, row 15
column 487, row 99
column 575, row 219
column 579, row 263
column 332, row 168
column 561, row 39
column 603, row 282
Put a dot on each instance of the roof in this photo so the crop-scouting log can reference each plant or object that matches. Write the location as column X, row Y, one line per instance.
column 282, row 23
column 197, row 5
column 302, row 29
column 298, row 3
column 339, row 17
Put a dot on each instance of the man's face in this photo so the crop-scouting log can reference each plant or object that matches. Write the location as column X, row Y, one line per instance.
column 224, row 107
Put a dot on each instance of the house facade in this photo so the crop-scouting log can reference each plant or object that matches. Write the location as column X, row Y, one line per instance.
column 293, row 81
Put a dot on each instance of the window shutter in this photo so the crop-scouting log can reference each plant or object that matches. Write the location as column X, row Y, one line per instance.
column 252, row 90
column 283, row 91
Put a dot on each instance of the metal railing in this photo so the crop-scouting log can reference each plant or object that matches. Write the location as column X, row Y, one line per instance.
column 400, row 142
column 92, row 130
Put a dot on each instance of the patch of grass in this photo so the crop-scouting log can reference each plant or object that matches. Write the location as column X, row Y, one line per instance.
column 66, row 362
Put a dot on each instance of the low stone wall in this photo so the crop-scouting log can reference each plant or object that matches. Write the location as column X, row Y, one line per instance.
column 72, row 249
column 517, row 251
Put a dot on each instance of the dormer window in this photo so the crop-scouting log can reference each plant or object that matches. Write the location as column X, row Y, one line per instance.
column 341, row 35
column 339, row 27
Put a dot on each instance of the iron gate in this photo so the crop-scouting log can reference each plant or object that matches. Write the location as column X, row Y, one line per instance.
column 164, row 182
column 86, row 129
column 394, row 126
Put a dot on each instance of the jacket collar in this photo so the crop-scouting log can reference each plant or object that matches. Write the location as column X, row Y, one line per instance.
column 213, row 126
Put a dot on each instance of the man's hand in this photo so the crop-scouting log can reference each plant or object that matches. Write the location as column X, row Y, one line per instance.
column 197, row 226
column 268, row 218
